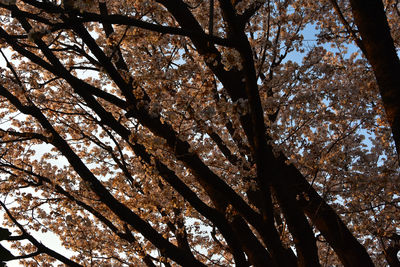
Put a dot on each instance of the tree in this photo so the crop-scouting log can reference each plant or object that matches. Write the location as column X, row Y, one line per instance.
column 200, row 132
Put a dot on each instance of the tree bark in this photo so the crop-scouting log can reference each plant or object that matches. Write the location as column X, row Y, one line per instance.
column 371, row 20
column 349, row 251
column 391, row 255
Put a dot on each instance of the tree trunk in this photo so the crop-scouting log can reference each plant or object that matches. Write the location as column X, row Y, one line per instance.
column 371, row 20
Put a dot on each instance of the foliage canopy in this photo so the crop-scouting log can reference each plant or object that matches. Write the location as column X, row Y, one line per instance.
column 200, row 132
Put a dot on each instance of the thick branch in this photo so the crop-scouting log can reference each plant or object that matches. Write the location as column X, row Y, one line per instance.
column 381, row 54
